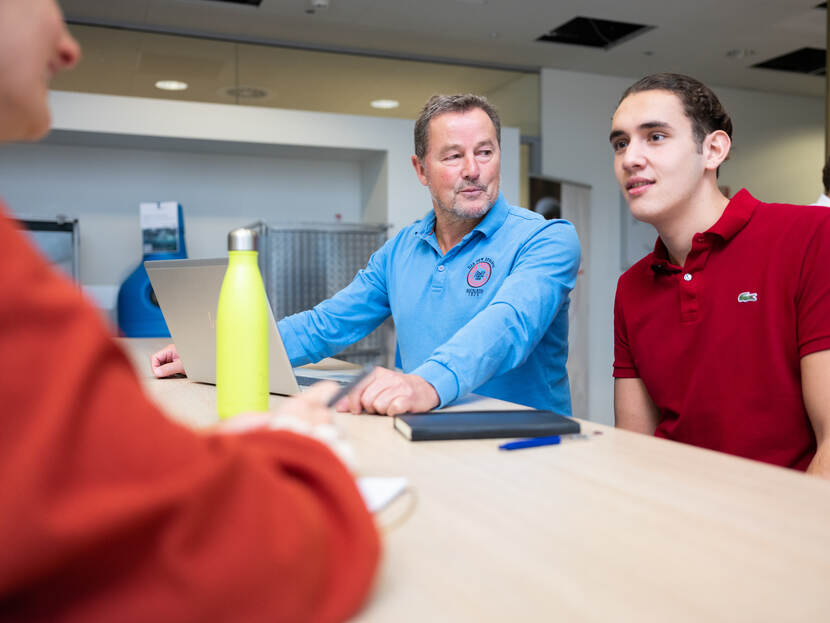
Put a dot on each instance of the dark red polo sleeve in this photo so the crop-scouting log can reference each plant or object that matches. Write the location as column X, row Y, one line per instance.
column 813, row 294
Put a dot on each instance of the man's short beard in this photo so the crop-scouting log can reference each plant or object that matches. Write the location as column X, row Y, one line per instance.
column 458, row 214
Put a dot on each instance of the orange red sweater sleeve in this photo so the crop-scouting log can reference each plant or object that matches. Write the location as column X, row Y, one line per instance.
column 113, row 512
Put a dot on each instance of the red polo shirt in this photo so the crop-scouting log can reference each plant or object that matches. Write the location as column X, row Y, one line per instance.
column 718, row 341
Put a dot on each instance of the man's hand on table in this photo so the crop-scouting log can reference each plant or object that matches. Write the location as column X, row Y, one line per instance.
column 166, row 362
column 383, row 392
column 386, row 392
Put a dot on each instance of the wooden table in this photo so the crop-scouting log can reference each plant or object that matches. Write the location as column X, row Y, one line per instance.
column 619, row 527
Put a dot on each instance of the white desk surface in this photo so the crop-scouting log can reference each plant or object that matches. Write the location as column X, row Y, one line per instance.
column 619, row 527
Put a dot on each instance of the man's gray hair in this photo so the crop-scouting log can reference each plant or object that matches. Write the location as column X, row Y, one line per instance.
column 440, row 104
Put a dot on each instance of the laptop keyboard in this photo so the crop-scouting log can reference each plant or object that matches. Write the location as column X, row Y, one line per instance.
column 305, row 381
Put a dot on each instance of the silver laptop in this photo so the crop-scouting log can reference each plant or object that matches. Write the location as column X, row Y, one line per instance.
column 188, row 293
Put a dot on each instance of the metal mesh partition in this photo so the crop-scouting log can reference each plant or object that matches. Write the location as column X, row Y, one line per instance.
column 303, row 265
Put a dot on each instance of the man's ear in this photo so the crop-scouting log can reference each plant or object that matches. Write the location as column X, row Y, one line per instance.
column 420, row 171
column 716, row 148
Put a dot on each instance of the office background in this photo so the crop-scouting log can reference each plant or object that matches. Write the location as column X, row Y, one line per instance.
column 312, row 151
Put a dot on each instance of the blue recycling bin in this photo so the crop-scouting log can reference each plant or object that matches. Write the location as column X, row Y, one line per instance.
column 139, row 314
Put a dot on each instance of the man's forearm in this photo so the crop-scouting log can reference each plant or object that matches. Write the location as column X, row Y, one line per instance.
column 329, row 327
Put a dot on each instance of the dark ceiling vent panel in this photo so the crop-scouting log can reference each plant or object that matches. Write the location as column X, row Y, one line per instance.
column 810, row 61
column 596, row 33
column 248, row 2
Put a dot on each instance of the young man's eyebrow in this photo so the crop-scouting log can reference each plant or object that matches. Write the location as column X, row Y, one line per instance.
column 651, row 125
column 648, row 125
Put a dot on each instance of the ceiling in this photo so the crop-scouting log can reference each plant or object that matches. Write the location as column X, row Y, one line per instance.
column 129, row 62
column 692, row 37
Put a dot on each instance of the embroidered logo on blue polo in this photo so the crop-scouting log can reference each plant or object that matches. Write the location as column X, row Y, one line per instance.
column 478, row 273
column 747, row 297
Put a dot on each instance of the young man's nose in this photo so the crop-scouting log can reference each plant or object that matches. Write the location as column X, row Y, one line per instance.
column 633, row 157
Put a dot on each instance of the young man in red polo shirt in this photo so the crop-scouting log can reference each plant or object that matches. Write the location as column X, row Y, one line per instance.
column 721, row 335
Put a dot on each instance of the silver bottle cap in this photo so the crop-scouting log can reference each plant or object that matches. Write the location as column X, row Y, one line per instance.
column 242, row 239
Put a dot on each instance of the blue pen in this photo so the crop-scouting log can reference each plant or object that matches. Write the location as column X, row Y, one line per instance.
column 531, row 443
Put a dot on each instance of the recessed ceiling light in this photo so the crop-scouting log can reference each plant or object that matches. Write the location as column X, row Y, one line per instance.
column 171, row 85
column 385, row 104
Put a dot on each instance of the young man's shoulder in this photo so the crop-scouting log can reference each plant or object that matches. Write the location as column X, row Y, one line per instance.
column 812, row 213
column 791, row 221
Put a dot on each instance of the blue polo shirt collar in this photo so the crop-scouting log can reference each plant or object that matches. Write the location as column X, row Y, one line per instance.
column 494, row 218
column 427, row 225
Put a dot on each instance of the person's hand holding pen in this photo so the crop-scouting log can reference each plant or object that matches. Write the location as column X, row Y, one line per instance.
column 309, row 413
column 311, row 406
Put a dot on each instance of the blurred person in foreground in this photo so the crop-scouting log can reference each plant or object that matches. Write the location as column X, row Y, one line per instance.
column 113, row 512
column 722, row 333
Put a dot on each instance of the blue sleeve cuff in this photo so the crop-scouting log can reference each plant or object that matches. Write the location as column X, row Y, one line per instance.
column 291, row 340
column 441, row 378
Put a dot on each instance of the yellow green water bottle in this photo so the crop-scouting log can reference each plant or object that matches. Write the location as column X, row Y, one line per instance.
column 242, row 331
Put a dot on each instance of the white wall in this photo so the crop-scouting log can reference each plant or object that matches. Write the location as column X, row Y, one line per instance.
column 777, row 155
column 103, row 187
column 227, row 165
column 777, row 145
column 257, row 127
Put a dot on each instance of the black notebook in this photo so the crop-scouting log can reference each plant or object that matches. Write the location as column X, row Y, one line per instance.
column 483, row 424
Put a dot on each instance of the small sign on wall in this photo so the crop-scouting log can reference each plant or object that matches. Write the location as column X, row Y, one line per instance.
column 159, row 227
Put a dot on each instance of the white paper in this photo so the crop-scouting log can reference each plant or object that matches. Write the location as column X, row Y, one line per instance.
column 378, row 491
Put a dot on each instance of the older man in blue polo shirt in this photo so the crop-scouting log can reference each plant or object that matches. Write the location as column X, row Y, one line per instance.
column 478, row 289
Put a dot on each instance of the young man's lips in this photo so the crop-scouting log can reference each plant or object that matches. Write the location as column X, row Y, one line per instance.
column 638, row 187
